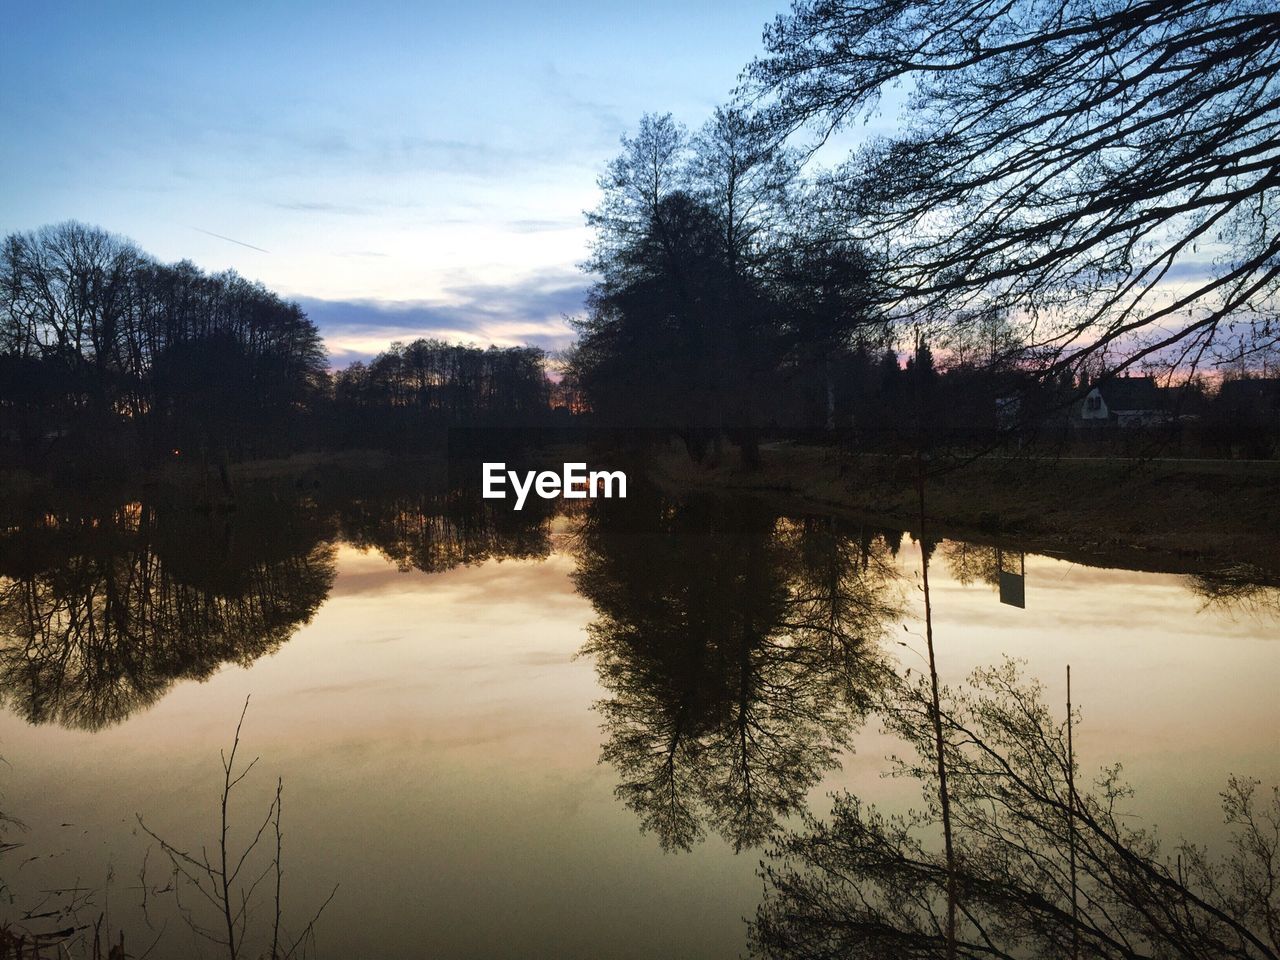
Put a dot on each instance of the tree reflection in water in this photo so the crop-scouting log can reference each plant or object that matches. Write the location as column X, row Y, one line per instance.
column 866, row 884
column 437, row 530
column 103, row 609
column 739, row 650
column 1244, row 590
column 101, row 612
column 971, row 563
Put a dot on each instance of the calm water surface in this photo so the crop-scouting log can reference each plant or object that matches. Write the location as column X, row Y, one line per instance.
column 545, row 736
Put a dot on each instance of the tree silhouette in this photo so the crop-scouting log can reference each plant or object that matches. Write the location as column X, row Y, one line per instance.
column 113, row 348
column 718, row 291
column 1056, row 162
column 411, row 393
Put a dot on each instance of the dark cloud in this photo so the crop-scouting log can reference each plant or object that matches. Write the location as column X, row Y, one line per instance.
column 530, row 311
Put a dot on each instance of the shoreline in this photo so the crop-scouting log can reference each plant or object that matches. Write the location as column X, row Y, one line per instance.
column 1163, row 516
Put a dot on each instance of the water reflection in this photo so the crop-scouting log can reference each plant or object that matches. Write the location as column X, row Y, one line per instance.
column 437, row 529
column 103, row 607
column 101, row 612
column 1044, row 867
column 739, row 650
column 1241, row 590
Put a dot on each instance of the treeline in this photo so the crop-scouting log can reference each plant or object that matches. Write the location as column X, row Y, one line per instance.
column 413, row 392
column 101, row 343
column 879, row 402
column 109, row 356
column 721, row 312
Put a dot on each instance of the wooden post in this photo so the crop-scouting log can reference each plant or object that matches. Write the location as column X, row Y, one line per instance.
column 937, row 723
column 1071, row 825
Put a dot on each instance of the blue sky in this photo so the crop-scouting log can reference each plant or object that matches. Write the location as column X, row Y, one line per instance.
column 401, row 169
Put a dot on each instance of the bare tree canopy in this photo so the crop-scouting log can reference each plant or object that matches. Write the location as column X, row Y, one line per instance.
column 101, row 343
column 1106, row 171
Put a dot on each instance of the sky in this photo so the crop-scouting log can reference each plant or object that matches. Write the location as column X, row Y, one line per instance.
column 399, row 169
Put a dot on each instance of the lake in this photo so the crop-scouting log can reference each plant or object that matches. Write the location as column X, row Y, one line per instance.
column 558, row 733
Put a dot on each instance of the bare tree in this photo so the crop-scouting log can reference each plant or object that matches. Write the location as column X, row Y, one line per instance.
column 651, row 166
column 1106, row 174
column 226, row 883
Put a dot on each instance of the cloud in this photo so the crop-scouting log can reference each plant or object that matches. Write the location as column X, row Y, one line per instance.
column 544, row 226
column 530, row 311
column 1192, row 271
column 318, row 206
column 454, row 156
column 604, row 117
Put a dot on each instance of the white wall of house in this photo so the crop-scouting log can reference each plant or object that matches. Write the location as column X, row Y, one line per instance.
column 1093, row 407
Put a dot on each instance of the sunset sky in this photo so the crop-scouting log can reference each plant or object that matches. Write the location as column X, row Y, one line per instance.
column 400, row 173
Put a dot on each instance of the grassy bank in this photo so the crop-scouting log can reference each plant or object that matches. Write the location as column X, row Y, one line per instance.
column 1162, row 515
column 1156, row 514
column 206, row 480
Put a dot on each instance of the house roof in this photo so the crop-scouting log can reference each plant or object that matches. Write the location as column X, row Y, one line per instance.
column 1130, row 393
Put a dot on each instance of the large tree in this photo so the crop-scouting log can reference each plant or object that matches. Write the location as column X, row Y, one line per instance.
column 717, row 286
column 1105, row 172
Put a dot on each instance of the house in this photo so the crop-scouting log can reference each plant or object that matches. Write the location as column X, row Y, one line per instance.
column 1125, row 401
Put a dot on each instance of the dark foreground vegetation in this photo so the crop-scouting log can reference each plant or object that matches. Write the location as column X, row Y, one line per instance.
column 226, row 891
